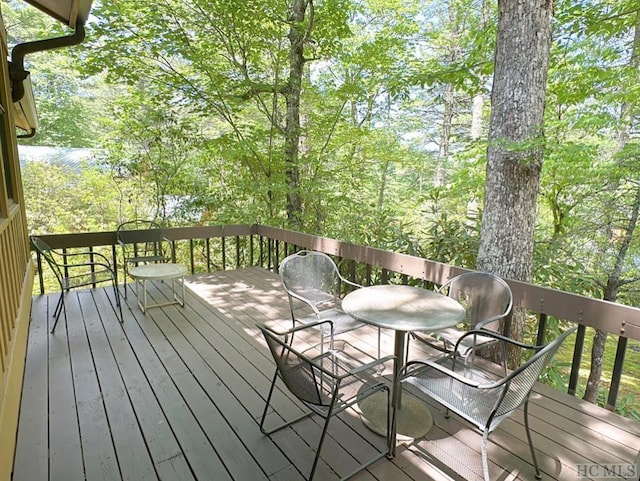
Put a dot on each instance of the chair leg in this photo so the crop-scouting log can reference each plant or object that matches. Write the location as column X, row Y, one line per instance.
column 116, row 293
column 266, row 409
column 533, row 451
column 124, row 266
column 60, row 307
column 322, row 437
column 485, row 459
column 390, row 452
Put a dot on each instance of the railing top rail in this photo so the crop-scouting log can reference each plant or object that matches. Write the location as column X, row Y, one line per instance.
column 608, row 316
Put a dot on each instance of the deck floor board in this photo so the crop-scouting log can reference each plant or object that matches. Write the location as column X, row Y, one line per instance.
column 176, row 394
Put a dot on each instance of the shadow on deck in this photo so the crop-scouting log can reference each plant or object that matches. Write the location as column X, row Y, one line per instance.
column 175, row 394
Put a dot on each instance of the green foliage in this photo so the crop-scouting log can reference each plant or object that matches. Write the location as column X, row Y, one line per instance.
column 555, row 374
column 60, row 199
column 629, row 406
column 185, row 101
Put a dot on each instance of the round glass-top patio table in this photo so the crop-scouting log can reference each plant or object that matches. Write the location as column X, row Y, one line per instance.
column 403, row 309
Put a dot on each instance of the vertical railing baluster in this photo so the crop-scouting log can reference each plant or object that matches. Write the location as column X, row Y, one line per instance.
column 251, row 260
column 224, row 253
column 237, row 252
column 93, row 267
column 542, row 328
column 65, row 261
column 192, row 256
column 616, row 375
column 208, row 253
column 577, row 359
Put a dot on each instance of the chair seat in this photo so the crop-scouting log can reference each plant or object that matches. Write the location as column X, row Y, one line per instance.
column 342, row 321
column 472, row 390
column 473, row 404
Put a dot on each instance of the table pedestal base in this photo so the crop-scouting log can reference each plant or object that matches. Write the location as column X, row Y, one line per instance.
column 413, row 419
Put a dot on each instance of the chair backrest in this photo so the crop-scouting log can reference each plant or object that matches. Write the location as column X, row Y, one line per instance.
column 300, row 375
column 521, row 380
column 486, row 298
column 139, row 231
column 47, row 253
column 311, row 275
column 144, row 237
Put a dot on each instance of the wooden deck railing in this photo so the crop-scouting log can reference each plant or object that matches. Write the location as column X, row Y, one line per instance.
column 13, row 263
column 210, row 248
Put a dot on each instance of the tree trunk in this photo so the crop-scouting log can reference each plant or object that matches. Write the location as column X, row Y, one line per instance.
column 298, row 34
column 515, row 152
column 476, row 116
column 445, row 135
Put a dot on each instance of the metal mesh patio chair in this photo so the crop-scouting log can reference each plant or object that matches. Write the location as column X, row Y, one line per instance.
column 326, row 379
column 75, row 270
column 142, row 242
column 487, row 300
column 474, row 390
column 314, row 286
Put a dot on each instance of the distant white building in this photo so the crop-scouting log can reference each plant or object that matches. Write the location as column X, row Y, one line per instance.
column 66, row 156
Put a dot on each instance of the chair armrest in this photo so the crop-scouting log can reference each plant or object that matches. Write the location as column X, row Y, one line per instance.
column 481, row 324
column 300, row 327
column 498, row 337
column 372, row 364
column 351, row 283
column 302, row 299
column 87, row 264
column 102, row 259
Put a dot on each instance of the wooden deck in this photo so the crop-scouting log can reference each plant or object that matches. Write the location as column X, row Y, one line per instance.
column 175, row 394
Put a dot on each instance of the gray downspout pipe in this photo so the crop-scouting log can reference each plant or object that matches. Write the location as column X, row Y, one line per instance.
column 17, row 72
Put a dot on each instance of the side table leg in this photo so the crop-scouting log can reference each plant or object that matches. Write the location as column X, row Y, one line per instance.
column 142, row 305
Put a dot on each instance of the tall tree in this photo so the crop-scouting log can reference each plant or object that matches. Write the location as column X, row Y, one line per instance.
column 627, row 228
column 301, row 25
column 515, row 152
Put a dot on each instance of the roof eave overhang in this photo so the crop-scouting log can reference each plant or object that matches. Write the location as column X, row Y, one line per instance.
column 69, row 12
